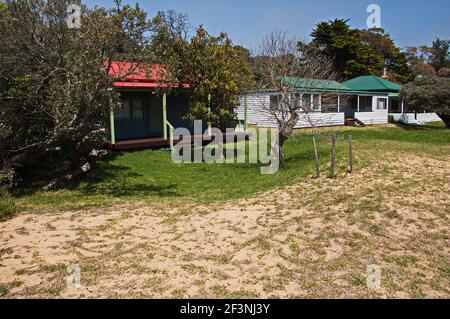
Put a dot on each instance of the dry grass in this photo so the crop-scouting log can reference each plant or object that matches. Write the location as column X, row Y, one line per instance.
column 312, row 239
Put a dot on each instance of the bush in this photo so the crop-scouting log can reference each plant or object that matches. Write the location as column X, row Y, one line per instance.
column 7, row 206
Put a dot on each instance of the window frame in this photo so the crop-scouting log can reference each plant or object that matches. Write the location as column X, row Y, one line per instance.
column 385, row 103
column 274, row 106
column 316, row 102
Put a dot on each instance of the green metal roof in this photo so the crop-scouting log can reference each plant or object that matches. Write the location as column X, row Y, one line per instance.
column 372, row 83
column 316, row 84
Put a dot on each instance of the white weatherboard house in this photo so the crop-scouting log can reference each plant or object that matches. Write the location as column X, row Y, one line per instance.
column 368, row 100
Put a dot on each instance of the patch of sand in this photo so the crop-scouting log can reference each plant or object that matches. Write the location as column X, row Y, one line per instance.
column 312, row 239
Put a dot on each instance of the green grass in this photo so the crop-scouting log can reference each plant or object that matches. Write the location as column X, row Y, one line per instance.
column 7, row 205
column 150, row 175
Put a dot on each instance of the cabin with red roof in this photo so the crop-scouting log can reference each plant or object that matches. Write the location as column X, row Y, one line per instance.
column 146, row 115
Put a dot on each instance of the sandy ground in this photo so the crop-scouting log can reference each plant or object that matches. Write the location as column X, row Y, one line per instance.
column 313, row 239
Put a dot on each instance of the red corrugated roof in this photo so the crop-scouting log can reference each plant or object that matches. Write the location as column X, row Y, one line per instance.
column 139, row 75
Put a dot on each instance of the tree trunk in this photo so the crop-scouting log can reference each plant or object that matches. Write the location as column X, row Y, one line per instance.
column 445, row 118
column 285, row 132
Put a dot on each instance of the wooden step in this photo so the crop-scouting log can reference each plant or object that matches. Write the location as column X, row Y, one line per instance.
column 354, row 122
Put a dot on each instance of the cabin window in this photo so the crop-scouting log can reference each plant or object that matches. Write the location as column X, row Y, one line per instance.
column 306, row 102
column 365, row 103
column 395, row 105
column 138, row 109
column 274, row 102
column 298, row 101
column 381, row 104
column 329, row 103
column 124, row 111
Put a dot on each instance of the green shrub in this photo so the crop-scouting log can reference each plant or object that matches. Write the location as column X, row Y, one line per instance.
column 7, row 206
column 3, row 290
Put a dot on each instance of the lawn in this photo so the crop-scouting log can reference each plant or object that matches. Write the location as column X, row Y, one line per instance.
column 151, row 175
column 143, row 227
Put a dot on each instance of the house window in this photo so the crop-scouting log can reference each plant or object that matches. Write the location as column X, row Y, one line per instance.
column 381, row 104
column 138, row 109
column 395, row 105
column 298, row 101
column 274, row 102
column 303, row 101
column 365, row 103
column 124, row 111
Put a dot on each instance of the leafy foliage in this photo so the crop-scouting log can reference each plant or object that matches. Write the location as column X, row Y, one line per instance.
column 393, row 58
column 167, row 28
column 216, row 70
column 429, row 61
column 360, row 52
column 341, row 43
column 440, row 54
column 431, row 94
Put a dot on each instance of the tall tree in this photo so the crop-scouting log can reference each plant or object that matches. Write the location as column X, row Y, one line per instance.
column 337, row 40
column 429, row 61
column 167, row 28
column 360, row 52
column 440, row 54
column 381, row 44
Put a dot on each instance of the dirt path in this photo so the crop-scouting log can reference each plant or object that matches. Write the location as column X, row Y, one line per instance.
column 313, row 239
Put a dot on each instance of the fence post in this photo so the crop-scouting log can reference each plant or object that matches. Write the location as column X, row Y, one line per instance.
column 164, row 109
column 333, row 153
column 316, row 158
column 350, row 167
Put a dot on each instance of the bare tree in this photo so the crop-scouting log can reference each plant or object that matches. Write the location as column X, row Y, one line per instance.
column 178, row 24
column 289, row 72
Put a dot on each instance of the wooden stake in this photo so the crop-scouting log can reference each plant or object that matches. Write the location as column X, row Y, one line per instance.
column 333, row 153
column 316, row 158
column 350, row 167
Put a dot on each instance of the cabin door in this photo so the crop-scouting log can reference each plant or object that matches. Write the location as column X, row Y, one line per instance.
column 131, row 118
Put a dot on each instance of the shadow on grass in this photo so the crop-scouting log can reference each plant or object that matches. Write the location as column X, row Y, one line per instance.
column 109, row 179
column 119, row 190
column 114, row 180
column 426, row 127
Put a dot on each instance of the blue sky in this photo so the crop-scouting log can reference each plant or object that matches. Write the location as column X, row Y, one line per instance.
column 410, row 22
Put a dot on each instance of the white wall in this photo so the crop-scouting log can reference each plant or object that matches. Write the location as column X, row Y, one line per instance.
column 424, row 117
column 258, row 114
column 372, row 118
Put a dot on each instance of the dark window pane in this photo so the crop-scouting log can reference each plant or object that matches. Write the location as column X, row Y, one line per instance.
column 123, row 112
column 274, row 100
column 138, row 109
